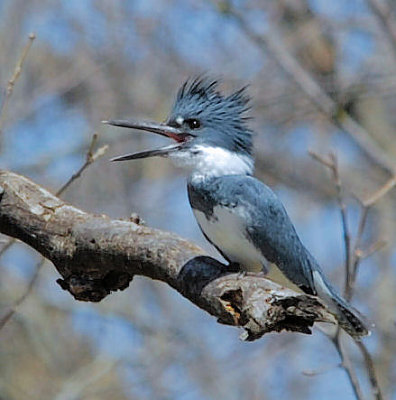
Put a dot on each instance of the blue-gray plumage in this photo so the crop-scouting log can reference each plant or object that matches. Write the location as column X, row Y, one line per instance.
column 267, row 224
column 238, row 214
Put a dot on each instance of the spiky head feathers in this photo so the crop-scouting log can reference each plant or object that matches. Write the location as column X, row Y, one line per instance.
column 215, row 119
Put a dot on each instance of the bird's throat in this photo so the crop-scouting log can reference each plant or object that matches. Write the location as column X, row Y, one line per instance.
column 204, row 162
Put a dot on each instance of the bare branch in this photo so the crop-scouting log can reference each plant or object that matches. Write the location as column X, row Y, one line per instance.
column 370, row 370
column 321, row 159
column 376, row 246
column 352, row 263
column 356, row 253
column 332, row 163
column 96, row 255
column 344, row 219
column 381, row 192
column 90, row 157
column 347, row 366
column 12, row 309
column 11, row 83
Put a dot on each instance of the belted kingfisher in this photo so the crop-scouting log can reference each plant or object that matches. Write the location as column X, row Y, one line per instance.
column 237, row 213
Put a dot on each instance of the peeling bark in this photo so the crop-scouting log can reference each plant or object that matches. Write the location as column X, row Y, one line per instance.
column 96, row 255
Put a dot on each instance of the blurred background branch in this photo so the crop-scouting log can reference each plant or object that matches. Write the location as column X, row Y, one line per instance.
column 271, row 42
column 386, row 18
column 15, row 75
column 352, row 261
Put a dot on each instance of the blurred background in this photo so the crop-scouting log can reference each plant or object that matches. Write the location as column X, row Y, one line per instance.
column 96, row 59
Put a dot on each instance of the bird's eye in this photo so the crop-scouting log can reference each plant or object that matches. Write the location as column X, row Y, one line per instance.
column 193, row 123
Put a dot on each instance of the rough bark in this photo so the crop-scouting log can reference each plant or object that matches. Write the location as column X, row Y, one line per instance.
column 96, row 255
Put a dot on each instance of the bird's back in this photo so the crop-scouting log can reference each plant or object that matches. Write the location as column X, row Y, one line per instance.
column 263, row 220
column 261, row 227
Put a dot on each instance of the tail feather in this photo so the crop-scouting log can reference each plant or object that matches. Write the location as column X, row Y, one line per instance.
column 348, row 318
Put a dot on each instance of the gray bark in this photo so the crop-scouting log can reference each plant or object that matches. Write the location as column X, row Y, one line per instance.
column 96, row 255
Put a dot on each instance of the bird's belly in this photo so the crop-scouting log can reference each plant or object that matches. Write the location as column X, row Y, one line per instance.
column 226, row 230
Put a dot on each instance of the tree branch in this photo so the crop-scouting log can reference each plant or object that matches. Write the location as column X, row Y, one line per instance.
column 15, row 75
column 96, row 256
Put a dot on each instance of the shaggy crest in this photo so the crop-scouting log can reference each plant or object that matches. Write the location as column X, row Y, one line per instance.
column 200, row 98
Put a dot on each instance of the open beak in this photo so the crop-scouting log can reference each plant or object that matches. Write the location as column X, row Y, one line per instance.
column 176, row 134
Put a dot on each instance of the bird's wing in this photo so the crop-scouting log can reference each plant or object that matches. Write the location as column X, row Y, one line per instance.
column 270, row 228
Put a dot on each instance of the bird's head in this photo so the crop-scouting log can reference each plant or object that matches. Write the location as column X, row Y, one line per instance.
column 209, row 130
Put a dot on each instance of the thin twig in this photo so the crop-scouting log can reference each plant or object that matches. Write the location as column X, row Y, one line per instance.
column 12, row 309
column 332, row 164
column 352, row 262
column 16, row 74
column 347, row 366
column 344, row 219
column 376, row 246
column 381, row 192
column 356, row 256
column 91, row 156
column 371, row 370
column 317, row 157
column 359, row 255
column 6, row 97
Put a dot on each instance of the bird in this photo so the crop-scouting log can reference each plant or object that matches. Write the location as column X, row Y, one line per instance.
column 237, row 213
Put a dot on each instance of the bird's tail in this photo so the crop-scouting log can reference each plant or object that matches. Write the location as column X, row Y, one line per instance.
column 347, row 316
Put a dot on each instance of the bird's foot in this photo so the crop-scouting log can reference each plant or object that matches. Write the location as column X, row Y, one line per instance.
column 234, row 267
column 241, row 274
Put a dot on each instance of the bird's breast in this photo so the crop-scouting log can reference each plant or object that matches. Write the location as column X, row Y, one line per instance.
column 226, row 228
